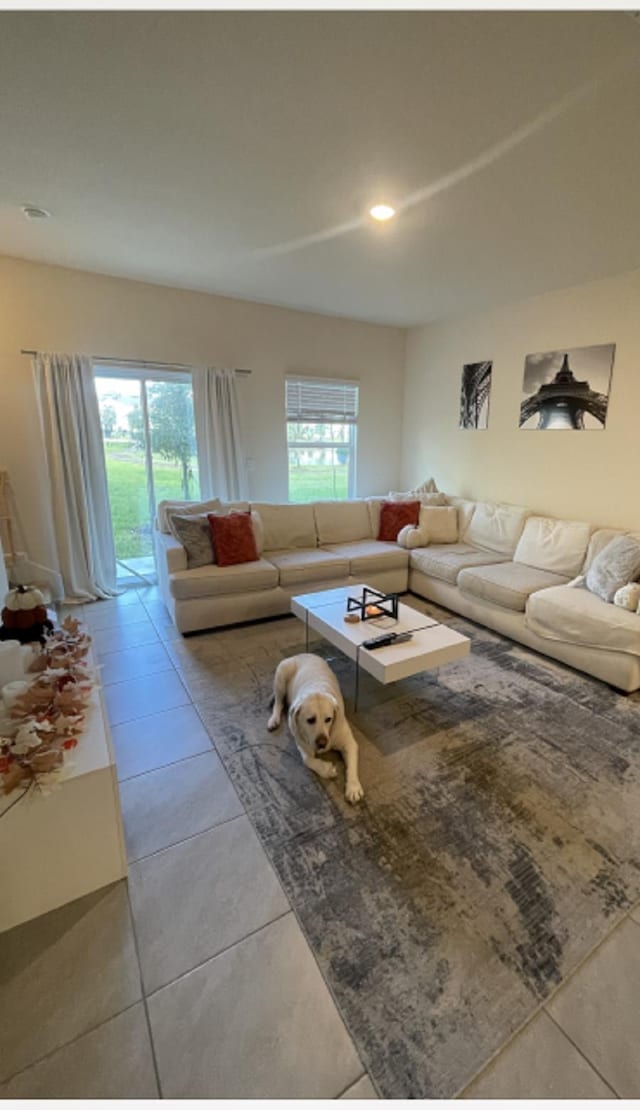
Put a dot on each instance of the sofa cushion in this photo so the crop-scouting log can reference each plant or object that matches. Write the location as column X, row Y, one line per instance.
column 556, row 545
column 423, row 498
column 193, row 532
column 371, row 555
column 439, row 524
column 185, row 508
column 313, row 565
column 599, row 539
column 495, row 527
column 465, row 510
column 507, row 584
column 573, row 615
column 617, row 564
column 287, row 526
column 342, row 521
column 233, row 538
column 445, row 561
column 214, row 580
column 394, row 515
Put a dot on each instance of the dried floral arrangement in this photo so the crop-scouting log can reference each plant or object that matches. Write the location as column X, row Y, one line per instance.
column 46, row 720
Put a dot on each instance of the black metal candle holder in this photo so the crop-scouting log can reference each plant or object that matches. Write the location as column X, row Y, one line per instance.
column 386, row 604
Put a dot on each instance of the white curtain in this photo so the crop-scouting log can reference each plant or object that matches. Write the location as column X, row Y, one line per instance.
column 66, row 392
column 221, row 460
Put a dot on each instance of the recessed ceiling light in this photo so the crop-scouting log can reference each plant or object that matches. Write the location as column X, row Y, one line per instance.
column 31, row 212
column 382, row 211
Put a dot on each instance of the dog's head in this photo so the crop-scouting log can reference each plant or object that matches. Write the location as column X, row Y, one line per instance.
column 314, row 717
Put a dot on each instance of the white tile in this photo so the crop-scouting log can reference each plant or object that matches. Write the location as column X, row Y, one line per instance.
column 539, row 1063
column 158, row 740
column 106, row 640
column 166, row 806
column 113, row 614
column 197, row 898
column 63, row 974
column 599, row 1009
column 112, row 1061
column 256, row 1021
column 136, row 662
column 362, row 1089
column 141, row 697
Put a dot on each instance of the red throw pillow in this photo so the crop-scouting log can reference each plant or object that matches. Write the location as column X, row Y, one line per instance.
column 233, row 538
column 394, row 515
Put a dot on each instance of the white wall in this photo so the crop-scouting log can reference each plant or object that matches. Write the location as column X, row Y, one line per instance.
column 51, row 308
column 590, row 475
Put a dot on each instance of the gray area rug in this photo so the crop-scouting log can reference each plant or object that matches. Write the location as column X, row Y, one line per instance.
column 498, row 842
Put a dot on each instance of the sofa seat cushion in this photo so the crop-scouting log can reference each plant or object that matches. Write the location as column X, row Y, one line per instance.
column 573, row 615
column 215, row 581
column 507, row 584
column 314, row 565
column 446, row 560
column 371, row 555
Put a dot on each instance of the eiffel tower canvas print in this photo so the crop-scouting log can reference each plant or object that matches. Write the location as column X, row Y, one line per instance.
column 474, row 395
column 567, row 390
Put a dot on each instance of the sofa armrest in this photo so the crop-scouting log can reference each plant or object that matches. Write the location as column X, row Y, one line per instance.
column 170, row 551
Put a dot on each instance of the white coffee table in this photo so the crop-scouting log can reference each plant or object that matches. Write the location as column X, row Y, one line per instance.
column 432, row 644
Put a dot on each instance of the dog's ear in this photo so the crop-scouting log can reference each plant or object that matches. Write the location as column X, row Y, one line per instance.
column 336, row 710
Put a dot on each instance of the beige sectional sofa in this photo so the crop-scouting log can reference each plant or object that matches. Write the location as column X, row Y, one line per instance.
column 511, row 570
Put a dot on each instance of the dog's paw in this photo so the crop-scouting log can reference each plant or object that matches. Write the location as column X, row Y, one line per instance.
column 354, row 792
column 273, row 723
column 330, row 771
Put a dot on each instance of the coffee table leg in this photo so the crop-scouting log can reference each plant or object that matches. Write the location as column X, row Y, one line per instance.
column 356, row 692
column 306, row 630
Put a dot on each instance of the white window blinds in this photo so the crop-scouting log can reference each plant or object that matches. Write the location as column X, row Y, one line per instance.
column 321, row 401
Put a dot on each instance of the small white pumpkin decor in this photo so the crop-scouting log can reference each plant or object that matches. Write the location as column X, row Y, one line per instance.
column 24, row 616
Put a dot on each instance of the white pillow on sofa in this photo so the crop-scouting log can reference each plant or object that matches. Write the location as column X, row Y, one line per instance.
column 436, row 524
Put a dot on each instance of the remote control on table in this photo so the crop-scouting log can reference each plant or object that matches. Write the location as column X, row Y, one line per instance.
column 386, row 639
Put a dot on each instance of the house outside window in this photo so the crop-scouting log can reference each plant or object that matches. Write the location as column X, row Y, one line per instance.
column 322, row 420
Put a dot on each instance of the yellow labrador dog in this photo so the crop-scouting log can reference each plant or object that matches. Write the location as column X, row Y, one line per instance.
column 308, row 686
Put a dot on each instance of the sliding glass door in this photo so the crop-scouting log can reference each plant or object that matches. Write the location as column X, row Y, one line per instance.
column 150, row 453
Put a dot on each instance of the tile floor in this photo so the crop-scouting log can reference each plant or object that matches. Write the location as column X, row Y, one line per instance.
column 195, row 980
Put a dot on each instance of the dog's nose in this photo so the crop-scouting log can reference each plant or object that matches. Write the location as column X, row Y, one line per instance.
column 322, row 742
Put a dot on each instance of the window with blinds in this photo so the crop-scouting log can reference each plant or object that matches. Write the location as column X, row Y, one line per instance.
column 325, row 401
column 322, row 417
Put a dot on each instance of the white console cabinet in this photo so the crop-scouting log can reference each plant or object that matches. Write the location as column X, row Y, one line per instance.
column 56, row 847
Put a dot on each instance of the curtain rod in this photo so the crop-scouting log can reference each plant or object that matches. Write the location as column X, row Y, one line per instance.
column 140, row 362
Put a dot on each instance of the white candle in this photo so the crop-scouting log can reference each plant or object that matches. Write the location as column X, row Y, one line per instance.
column 11, row 692
column 11, row 662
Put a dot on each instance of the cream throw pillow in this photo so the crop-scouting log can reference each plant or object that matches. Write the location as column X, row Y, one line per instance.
column 436, row 524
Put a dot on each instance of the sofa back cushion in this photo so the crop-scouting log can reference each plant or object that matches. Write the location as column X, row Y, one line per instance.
column 286, row 526
column 465, row 510
column 556, row 545
column 495, row 527
column 342, row 521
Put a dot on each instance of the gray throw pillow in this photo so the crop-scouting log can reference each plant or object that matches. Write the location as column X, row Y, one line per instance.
column 194, row 533
column 617, row 564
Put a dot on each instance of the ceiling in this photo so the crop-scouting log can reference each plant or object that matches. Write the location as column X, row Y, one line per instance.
column 238, row 152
